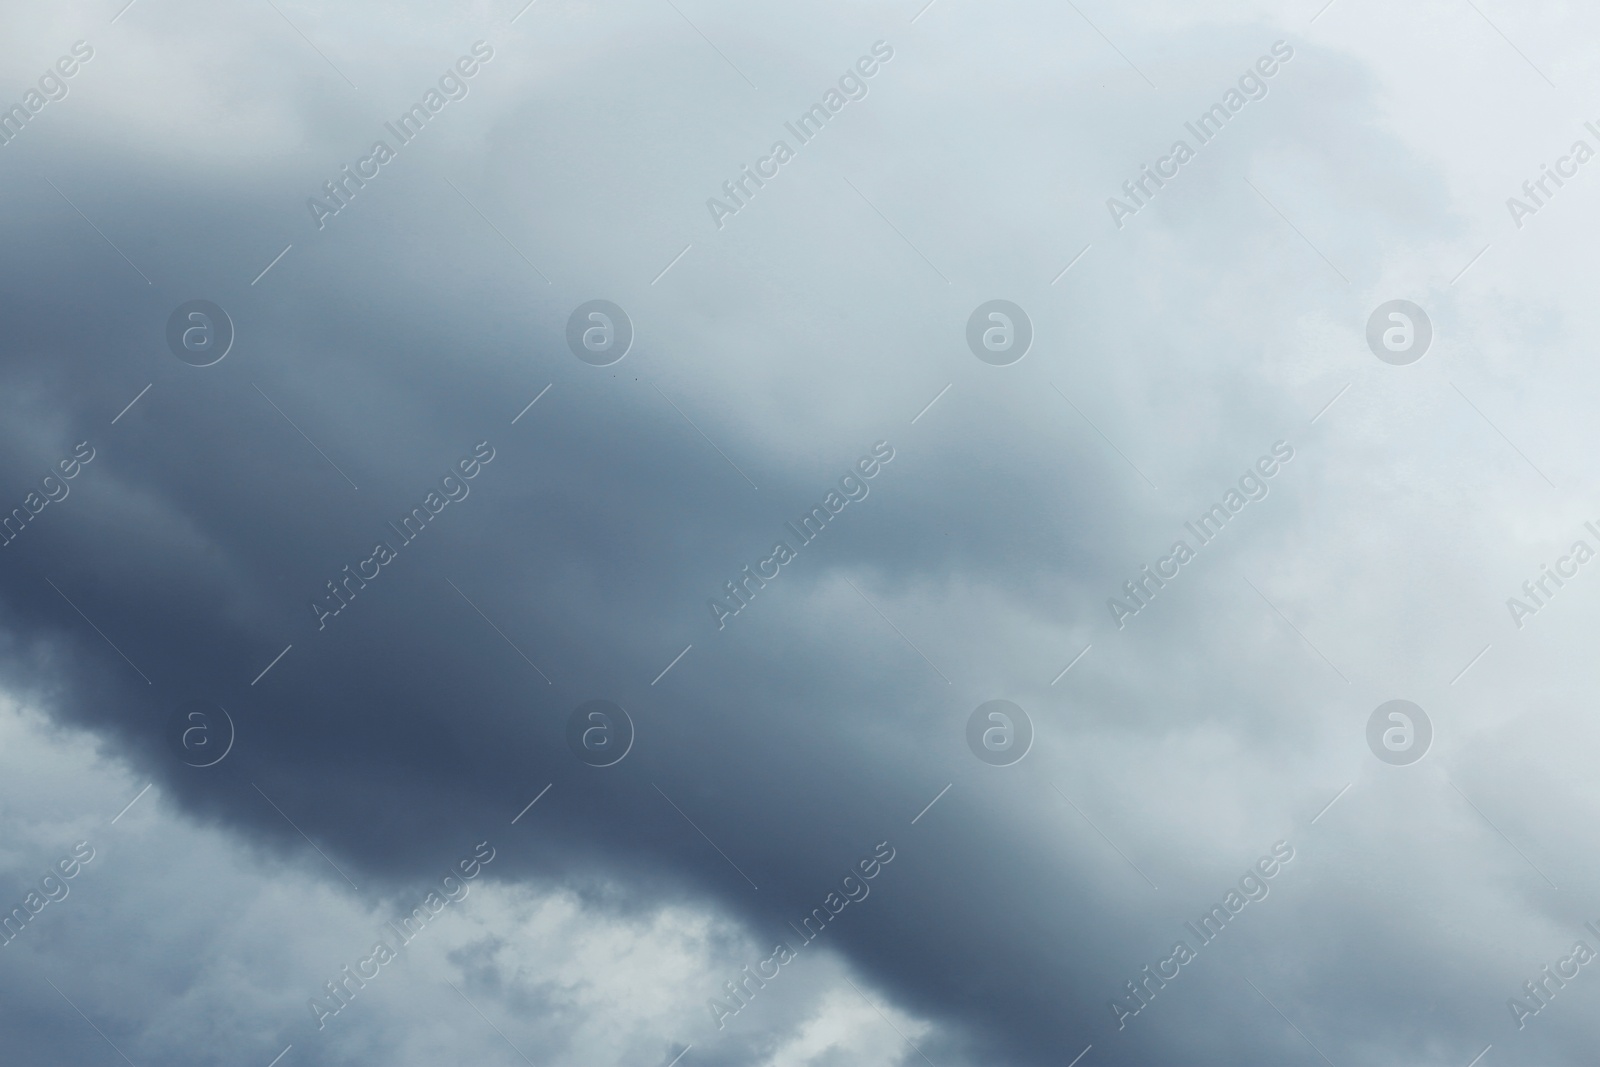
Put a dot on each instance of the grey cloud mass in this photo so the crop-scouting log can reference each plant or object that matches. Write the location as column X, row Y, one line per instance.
column 293, row 638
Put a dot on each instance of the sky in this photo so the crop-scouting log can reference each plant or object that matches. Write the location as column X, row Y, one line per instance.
column 502, row 563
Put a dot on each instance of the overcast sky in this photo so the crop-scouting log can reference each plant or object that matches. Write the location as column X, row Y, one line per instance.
column 1349, row 322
